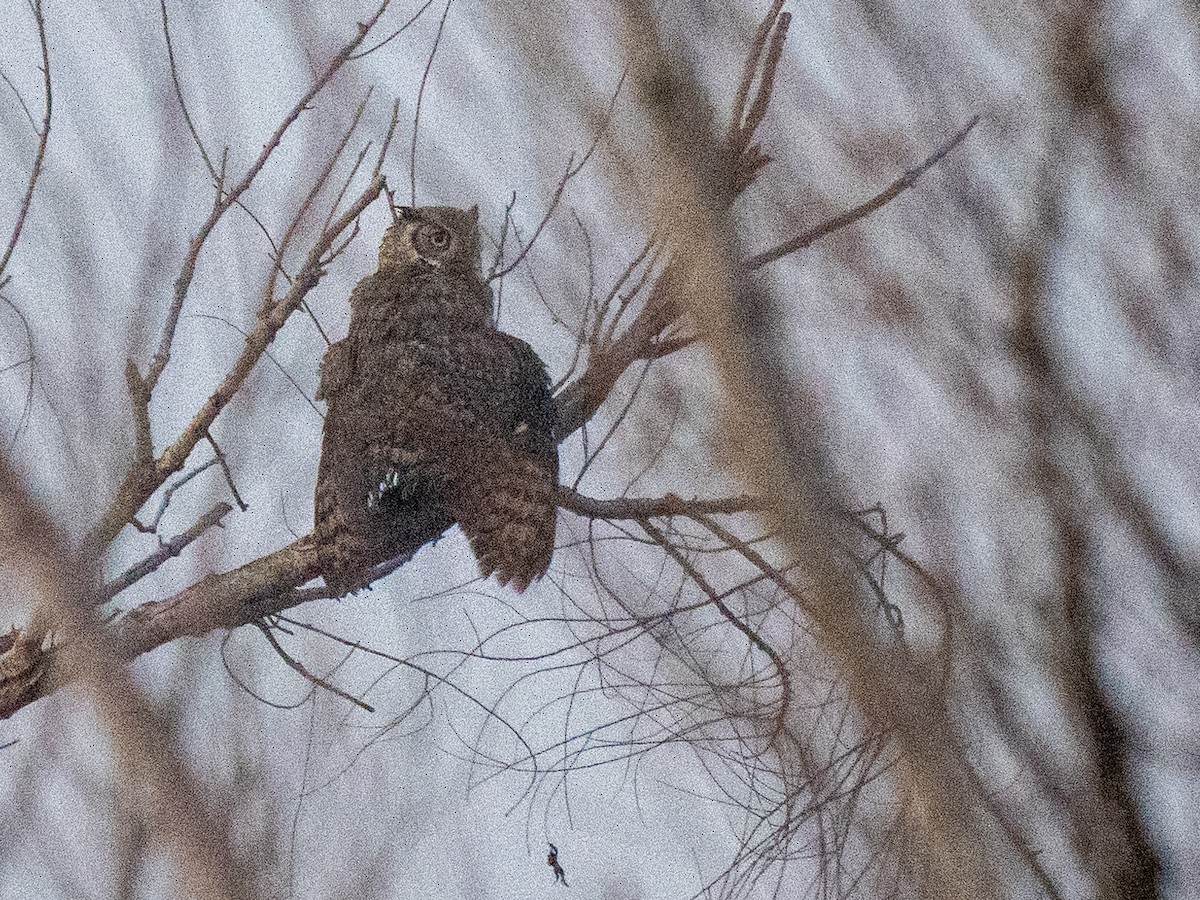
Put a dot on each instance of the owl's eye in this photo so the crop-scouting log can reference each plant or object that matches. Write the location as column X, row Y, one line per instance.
column 433, row 238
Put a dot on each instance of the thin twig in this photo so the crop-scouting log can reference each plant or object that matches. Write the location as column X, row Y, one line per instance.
column 168, row 495
column 412, row 152
column 228, row 473
column 187, row 117
column 572, row 169
column 27, row 406
column 738, row 113
column 395, row 34
column 43, row 140
column 299, row 667
column 271, row 356
column 21, row 100
column 387, row 138
column 268, row 298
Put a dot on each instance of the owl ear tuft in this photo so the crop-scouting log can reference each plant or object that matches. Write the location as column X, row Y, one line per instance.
column 406, row 213
column 473, row 214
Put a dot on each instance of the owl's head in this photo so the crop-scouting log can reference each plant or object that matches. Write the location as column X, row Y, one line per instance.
column 432, row 237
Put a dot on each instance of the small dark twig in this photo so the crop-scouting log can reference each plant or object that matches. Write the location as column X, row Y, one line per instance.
column 168, row 495
column 31, row 360
column 271, row 356
column 412, row 152
column 573, row 168
column 300, row 669
column 395, row 34
column 21, row 100
column 187, row 117
column 228, row 474
column 387, row 138
column 318, row 184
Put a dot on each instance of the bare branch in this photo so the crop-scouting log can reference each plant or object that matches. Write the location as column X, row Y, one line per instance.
column 217, row 177
column 318, row 184
column 168, row 495
column 143, row 480
column 300, row 669
column 168, row 550
column 224, row 463
column 412, row 152
column 395, row 34
column 572, row 169
column 643, row 339
column 651, row 508
column 226, row 198
column 888, row 194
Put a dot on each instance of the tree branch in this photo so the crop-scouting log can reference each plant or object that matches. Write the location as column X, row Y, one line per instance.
column 225, row 199
column 640, row 508
column 168, row 550
column 144, row 478
column 887, row 195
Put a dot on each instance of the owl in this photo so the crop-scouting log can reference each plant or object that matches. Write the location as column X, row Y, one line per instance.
column 435, row 416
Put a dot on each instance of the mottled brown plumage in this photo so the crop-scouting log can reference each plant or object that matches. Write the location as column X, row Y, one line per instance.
column 435, row 416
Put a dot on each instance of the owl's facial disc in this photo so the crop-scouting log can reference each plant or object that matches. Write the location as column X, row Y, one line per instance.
column 433, row 242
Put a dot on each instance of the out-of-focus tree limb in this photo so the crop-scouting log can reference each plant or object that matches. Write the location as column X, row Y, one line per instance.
column 169, row 798
column 1111, row 834
column 772, row 439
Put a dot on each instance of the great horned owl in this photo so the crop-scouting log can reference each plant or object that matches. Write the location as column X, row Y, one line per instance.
column 434, row 415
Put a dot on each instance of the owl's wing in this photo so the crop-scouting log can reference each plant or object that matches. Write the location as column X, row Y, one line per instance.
column 507, row 508
column 380, row 479
column 335, row 369
column 341, row 491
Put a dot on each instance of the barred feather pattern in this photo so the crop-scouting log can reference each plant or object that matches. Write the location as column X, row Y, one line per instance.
column 435, row 417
